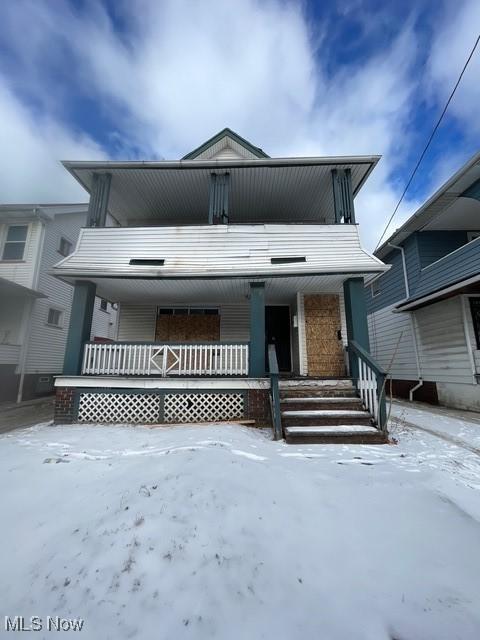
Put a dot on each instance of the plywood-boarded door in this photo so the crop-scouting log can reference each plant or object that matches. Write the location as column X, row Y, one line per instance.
column 325, row 355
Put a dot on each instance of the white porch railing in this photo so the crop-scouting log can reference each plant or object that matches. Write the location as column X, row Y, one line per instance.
column 117, row 359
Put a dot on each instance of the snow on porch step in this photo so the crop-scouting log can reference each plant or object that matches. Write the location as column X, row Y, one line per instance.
column 320, row 399
column 316, row 417
column 344, row 383
column 334, row 434
column 331, row 428
column 324, row 413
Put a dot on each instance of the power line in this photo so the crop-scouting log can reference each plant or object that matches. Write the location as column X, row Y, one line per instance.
column 429, row 140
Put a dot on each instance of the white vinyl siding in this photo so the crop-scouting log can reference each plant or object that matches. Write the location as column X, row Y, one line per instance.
column 46, row 348
column 235, row 322
column 471, row 334
column 220, row 250
column 9, row 353
column 136, row 322
column 22, row 272
column 385, row 329
column 104, row 323
column 441, row 342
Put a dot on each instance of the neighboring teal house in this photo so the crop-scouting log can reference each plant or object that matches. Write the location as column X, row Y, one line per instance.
column 230, row 269
column 427, row 306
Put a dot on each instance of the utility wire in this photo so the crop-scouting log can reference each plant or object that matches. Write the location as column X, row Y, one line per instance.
column 429, row 140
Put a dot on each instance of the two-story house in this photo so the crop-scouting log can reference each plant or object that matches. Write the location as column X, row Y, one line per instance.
column 214, row 258
column 35, row 306
column 424, row 313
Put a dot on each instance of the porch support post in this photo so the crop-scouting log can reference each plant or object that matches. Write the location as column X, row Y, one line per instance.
column 343, row 196
column 256, row 366
column 356, row 317
column 98, row 205
column 80, row 326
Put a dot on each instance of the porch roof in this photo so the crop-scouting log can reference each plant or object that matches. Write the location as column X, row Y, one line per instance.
column 266, row 189
column 210, row 292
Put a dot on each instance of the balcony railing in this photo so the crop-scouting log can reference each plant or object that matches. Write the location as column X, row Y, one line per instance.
column 168, row 359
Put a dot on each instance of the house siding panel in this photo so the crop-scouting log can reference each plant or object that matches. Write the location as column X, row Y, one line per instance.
column 433, row 245
column 391, row 285
column 442, row 344
column 392, row 344
column 221, row 250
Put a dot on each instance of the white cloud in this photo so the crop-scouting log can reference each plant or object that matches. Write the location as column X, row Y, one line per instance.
column 182, row 70
column 32, row 146
column 451, row 46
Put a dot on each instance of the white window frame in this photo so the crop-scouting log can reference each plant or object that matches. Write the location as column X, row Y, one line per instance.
column 7, row 226
column 375, row 291
column 60, row 319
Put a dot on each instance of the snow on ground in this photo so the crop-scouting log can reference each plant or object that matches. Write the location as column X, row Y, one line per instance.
column 219, row 532
column 462, row 425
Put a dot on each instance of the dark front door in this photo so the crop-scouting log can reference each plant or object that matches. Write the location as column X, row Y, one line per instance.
column 277, row 332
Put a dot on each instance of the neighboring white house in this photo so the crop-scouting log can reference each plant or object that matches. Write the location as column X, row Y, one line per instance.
column 34, row 306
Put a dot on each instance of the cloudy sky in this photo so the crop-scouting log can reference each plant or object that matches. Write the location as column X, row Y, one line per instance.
column 152, row 79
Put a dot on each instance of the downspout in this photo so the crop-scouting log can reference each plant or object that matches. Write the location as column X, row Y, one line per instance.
column 412, row 322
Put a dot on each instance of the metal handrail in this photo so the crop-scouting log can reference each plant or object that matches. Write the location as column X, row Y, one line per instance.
column 370, row 379
column 274, row 392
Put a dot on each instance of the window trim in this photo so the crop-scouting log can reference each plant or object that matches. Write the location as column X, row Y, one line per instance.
column 70, row 242
column 375, row 292
column 473, row 301
column 5, row 241
column 60, row 317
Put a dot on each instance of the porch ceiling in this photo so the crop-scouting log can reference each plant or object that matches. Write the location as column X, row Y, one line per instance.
column 267, row 189
column 277, row 290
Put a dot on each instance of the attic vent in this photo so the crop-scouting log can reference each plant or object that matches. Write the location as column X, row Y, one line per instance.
column 288, row 260
column 148, row 262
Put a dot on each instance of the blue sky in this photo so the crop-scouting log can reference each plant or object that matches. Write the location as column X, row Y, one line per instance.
column 153, row 79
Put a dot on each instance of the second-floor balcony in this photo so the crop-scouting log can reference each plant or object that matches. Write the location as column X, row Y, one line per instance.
column 235, row 191
column 460, row 267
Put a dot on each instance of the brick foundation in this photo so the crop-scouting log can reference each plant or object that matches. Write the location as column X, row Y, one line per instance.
column 258, row 407
column 64, row 405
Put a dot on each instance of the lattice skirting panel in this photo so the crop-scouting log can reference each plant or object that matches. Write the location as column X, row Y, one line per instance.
column 202, row 407
column 111, row 408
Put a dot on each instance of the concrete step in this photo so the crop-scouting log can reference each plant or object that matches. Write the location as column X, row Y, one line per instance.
column 318, row 392
column 321, row 417
column 315, row 402
column 334, row 434
column 325, row 383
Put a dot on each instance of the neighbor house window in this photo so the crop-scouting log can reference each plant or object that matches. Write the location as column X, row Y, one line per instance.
column 475, row 309
column 375, row 288
column 54, row 317
column 103, row 304
column 65, row 247
column 15, row 241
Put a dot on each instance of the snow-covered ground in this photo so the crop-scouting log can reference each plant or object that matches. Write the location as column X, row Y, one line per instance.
column 463, row 426
column 218, row 532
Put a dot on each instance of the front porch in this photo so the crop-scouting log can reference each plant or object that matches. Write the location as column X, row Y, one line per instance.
column 216, row 366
